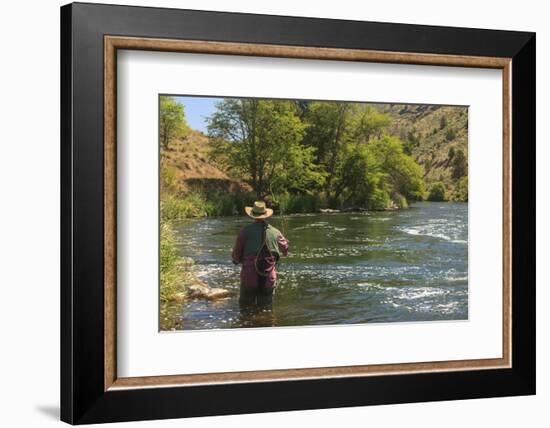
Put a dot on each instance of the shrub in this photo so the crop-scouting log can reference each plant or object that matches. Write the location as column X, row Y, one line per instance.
column 226, row 204
column 437, row 192
column 461, row 191
column 299, row 203
column 451, row 153
column 450, row 135
column 459, row 165
column 173, row 207
column 168, row 178
column 171, row 268
column 400, row 201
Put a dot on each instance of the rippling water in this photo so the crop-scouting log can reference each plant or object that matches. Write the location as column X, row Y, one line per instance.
column 343, row 268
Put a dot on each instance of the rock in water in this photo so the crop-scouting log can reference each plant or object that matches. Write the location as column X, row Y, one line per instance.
column 200, row 290
column 217, row 293
column 197, row 290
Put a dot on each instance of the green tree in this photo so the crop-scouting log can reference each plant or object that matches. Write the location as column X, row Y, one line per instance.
column 461, row 191
column 362, row 182
column 367, row 123
column 172, row 120
column 442, row 122
column 261, row 140
column 438, row 192
column 332, row 126
column 459, row 165
column 404, row 174
column 328, row 130
column 375, row 174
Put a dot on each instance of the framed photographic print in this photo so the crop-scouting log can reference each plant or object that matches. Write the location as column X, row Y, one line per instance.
column 265, row 213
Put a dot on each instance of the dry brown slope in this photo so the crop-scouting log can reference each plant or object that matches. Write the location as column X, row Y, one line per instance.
column 189, row 158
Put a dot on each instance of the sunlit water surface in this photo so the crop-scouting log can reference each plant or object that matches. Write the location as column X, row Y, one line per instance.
column 343, row 268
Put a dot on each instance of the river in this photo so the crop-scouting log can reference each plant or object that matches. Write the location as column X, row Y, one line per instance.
column 343, row 268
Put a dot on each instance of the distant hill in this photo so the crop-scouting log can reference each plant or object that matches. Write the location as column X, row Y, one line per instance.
column 433, row 135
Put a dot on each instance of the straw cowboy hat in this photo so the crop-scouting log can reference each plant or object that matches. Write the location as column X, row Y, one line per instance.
column 258, row 211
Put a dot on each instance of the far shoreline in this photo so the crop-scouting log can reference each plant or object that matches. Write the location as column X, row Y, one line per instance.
column 328, row 211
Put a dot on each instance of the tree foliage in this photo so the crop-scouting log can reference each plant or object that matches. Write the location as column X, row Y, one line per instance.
column 261, row 141
column 461, row 191
column 405, row 175
column 335, row 149
column 368, row 123
column 363, row 182
column 378, row 173
column 450, row 135
column 459, row 165
column 411, row 143
column 438, row 192
column 171, row 121
column 328, row 130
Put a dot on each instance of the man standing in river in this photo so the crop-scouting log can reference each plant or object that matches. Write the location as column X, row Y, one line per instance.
column 258, row 247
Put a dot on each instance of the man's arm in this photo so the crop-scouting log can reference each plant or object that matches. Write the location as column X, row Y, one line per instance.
column 282, row 242
column 238, row 248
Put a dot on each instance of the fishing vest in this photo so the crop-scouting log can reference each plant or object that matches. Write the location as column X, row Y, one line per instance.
column 253, row 238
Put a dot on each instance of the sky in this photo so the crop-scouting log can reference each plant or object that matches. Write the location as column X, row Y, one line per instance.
column 197, row 109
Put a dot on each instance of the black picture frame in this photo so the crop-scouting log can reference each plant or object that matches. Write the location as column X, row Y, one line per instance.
column 83, row 398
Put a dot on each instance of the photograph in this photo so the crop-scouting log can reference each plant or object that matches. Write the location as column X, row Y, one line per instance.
column 293, row 212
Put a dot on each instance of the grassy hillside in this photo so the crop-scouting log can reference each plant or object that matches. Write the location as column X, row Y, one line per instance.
column 192, row 185
column 433, row 135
